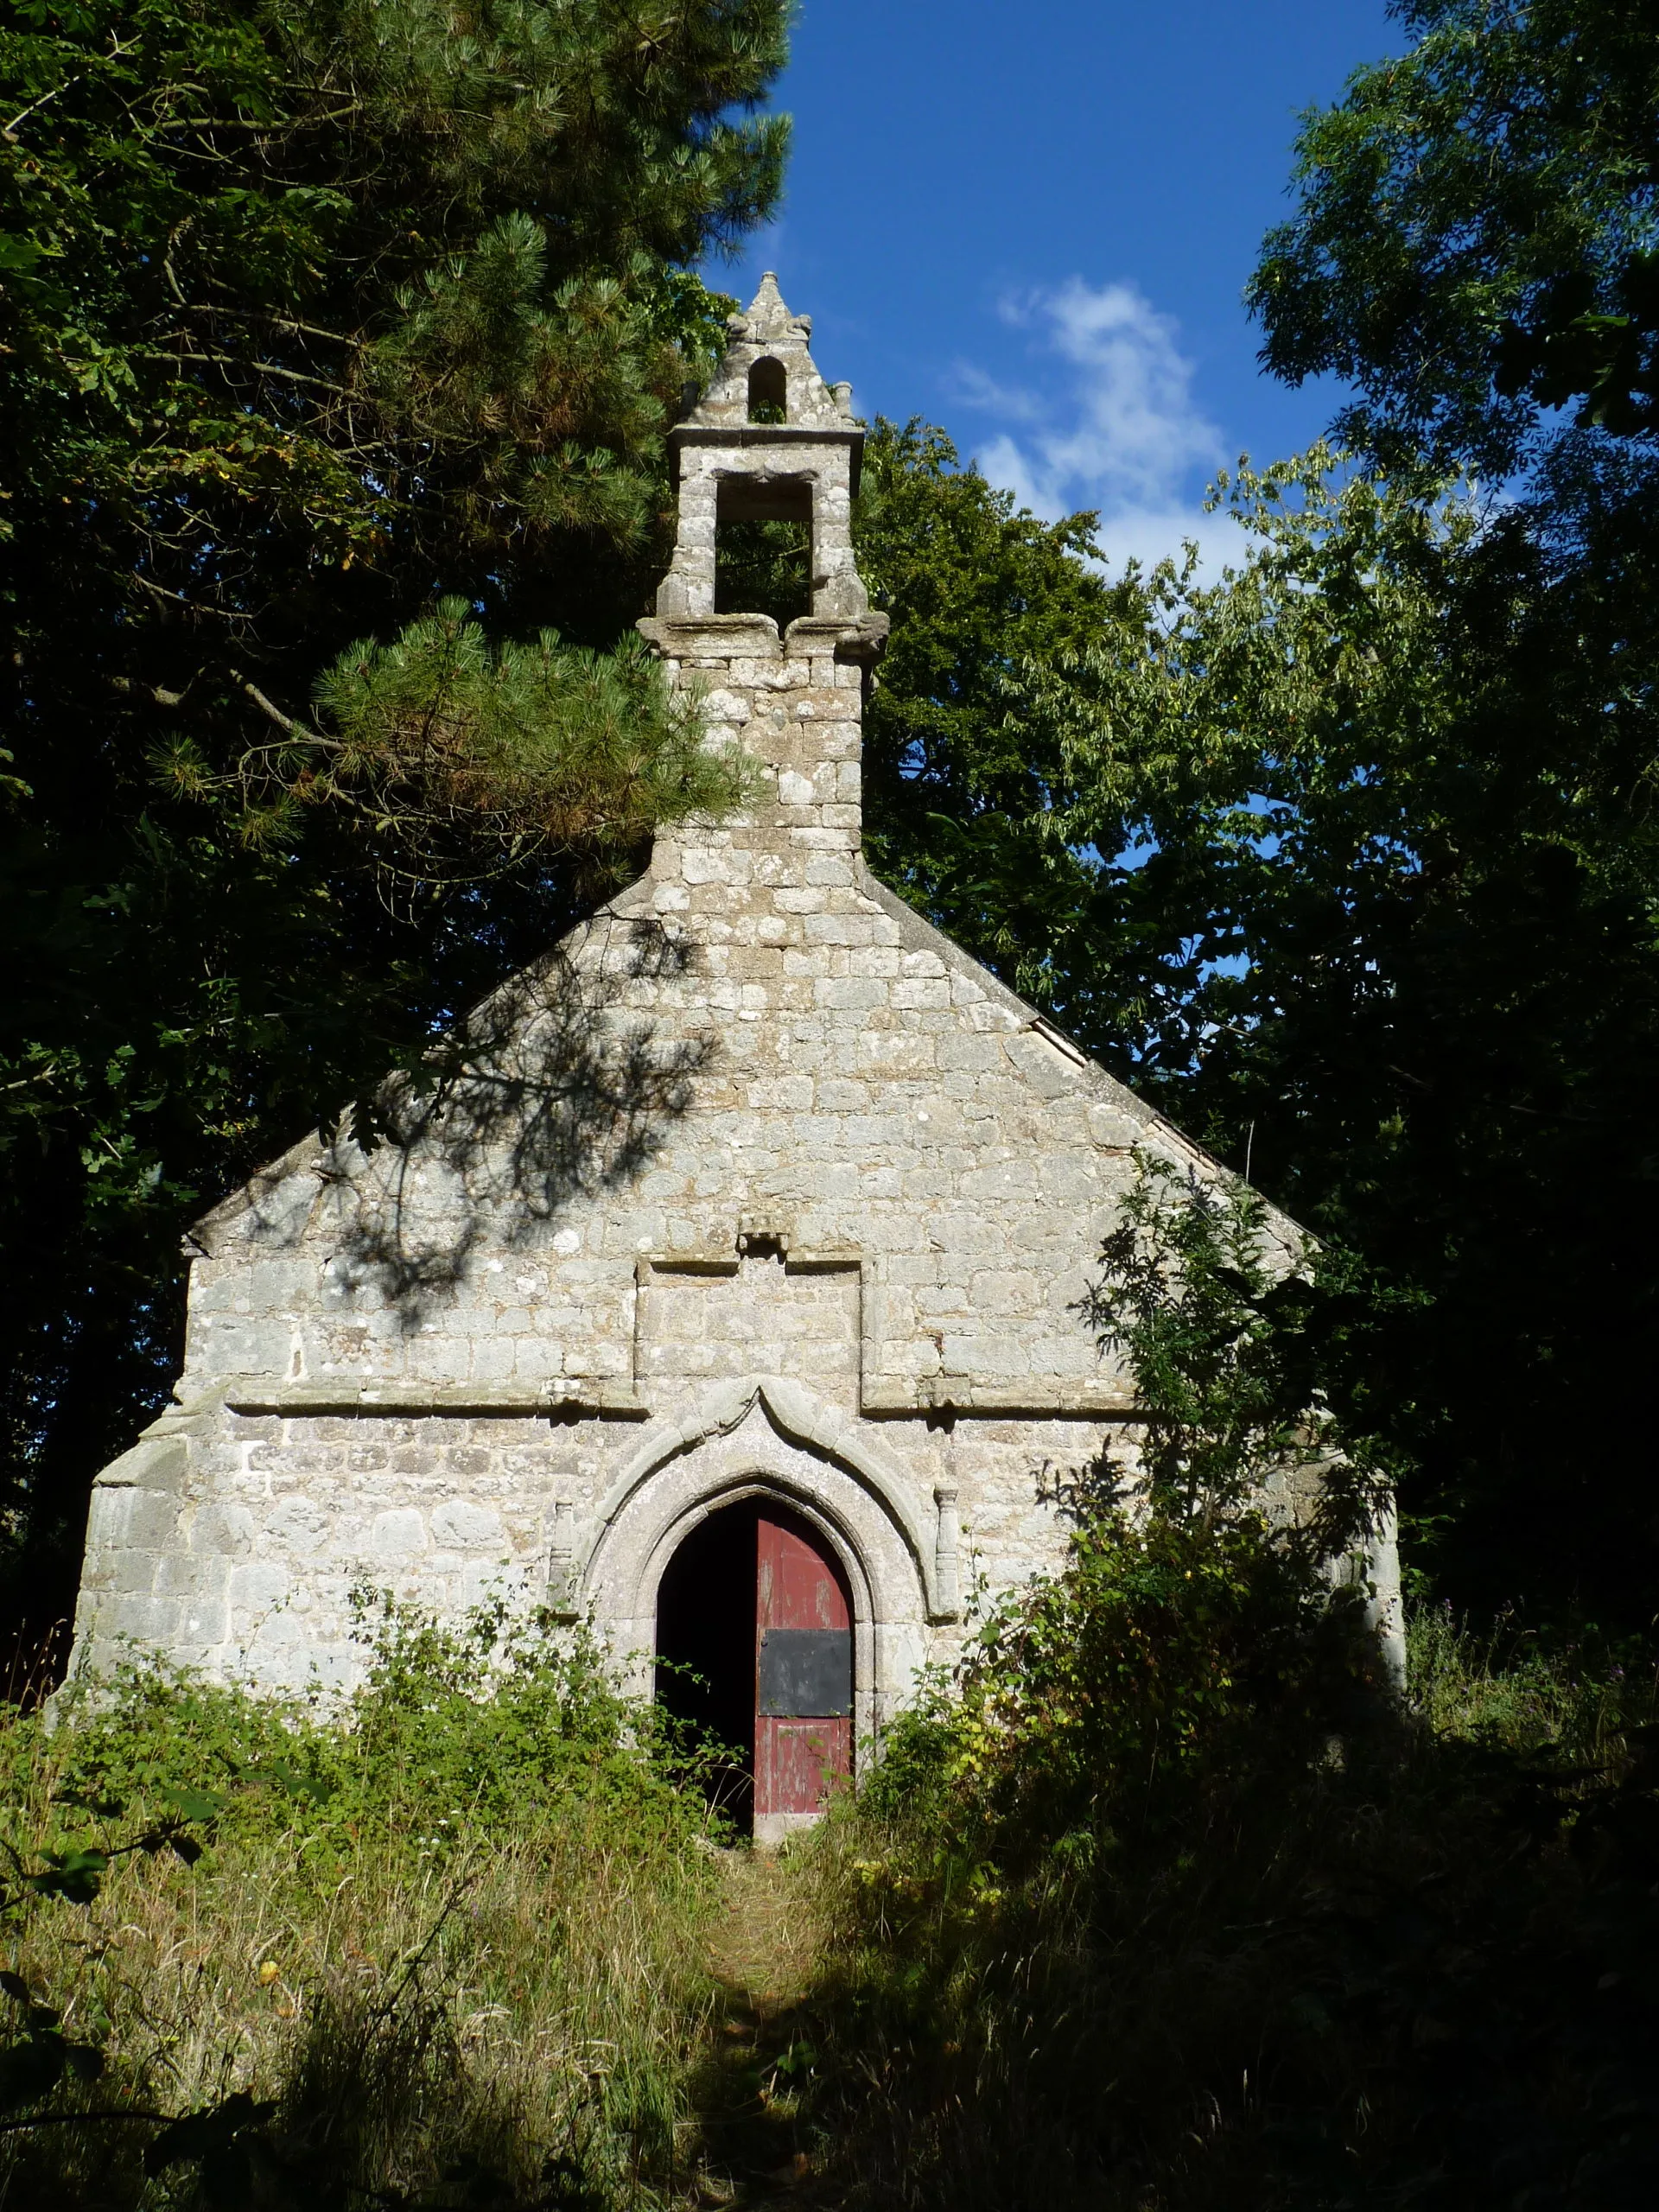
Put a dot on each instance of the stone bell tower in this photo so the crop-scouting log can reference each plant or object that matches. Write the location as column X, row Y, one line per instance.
column 770, row 442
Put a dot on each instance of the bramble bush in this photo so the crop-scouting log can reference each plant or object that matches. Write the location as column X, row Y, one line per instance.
column 463, row 1729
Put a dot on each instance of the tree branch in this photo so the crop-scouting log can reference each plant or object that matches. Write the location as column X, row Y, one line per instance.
column 156, row 691
column 284, row 722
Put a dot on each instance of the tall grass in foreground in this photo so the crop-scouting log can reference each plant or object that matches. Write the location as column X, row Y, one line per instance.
column 1520, row 1692
column 1392, row 1966
column 449, row 1954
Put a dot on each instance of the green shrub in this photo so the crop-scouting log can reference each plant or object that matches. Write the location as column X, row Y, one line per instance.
column 1165, row 1653
column 441, row 1944
column 456, row 1730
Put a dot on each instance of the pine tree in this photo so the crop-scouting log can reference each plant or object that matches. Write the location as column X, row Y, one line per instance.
column 340, row 341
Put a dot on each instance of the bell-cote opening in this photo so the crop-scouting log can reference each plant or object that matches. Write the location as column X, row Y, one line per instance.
column 763, row 547
column 765, row 467
column 768, row 391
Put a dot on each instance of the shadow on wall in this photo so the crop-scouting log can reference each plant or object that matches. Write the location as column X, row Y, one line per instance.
column 551, row 1093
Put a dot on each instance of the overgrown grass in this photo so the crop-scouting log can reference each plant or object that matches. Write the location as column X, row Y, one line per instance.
column 445, row 1949
column 1157, row 1908
column 1406, row 1961
column 1520, row 1691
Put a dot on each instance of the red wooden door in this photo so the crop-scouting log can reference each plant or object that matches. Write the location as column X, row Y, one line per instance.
column 803, row 1677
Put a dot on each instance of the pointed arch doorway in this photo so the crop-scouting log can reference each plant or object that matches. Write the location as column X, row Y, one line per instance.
column 754, row 1642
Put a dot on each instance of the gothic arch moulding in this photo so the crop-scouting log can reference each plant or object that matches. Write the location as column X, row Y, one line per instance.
column 771, row 1437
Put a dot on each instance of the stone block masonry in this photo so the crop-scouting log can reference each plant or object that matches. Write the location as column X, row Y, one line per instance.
column 756, row 1187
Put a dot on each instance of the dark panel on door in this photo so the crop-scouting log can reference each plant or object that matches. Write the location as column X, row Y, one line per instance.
column 806, row 1673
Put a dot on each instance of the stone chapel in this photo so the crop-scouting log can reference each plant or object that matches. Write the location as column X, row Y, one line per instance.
column 726, row 1298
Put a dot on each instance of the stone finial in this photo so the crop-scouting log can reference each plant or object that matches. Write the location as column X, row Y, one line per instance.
column 768, row 321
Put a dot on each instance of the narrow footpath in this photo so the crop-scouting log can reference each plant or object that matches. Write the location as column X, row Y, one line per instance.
column 758, row 2138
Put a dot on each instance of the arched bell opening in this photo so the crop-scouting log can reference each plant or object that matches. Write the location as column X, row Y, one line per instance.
column 756, row 1649
column 768, row 391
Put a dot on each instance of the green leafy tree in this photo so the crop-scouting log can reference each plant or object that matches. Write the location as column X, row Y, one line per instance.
column 1474, row 249
column 1476, row 245
column 350, row 321
column 1343, row 860
column 957, row 785
column 1402, row 900
column 467, row 760
column 1348, row 860
column 1225, row 1326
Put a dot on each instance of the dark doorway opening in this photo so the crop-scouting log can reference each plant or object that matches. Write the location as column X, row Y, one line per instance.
column 754, row 1649
column 705, row 1646
column 763, row 548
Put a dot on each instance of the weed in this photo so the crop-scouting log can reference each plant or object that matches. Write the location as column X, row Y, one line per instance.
column 443, row 1946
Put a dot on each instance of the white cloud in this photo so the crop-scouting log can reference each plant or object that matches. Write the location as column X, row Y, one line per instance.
column 1116, row 426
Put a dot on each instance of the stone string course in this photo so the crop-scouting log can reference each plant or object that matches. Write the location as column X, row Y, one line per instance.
column 756, row 1182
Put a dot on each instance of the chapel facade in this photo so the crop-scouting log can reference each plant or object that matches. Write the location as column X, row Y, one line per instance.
column 727, row 1299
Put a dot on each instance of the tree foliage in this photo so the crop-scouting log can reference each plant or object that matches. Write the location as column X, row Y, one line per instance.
column 467, row 759
column 1477, row 242
column 340, row 342
column 1347, row 859
column 960, row 785
column 1344, row 860
column 1224, row 1315
column 1474, row 249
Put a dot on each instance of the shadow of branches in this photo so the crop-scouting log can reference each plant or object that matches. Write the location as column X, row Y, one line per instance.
column 551, row 1091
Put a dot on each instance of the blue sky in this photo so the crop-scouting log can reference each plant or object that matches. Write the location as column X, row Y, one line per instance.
column 1031, row 220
